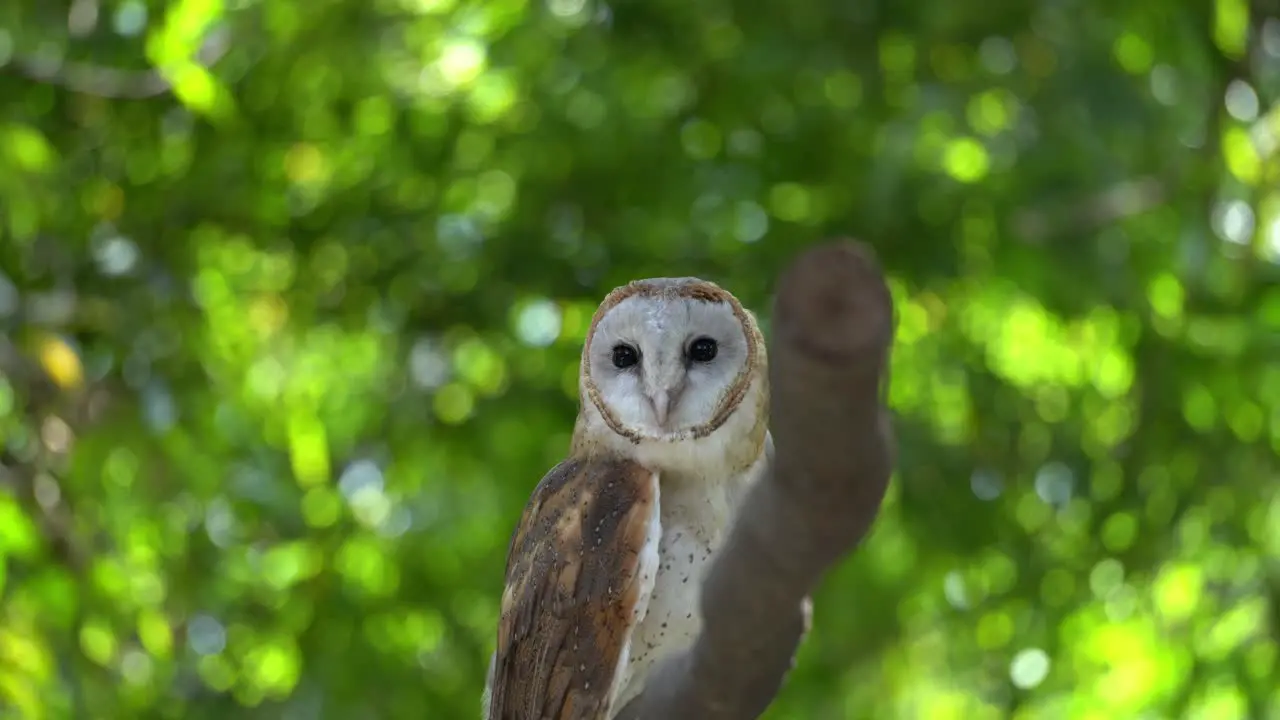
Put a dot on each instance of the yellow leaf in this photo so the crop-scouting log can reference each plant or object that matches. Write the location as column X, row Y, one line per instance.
column 198, row 89
column 60, row 362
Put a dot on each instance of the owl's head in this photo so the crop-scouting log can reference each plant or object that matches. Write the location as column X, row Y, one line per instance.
column 669, row 358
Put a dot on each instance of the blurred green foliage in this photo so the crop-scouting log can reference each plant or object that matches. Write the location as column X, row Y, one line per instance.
column 292, row 295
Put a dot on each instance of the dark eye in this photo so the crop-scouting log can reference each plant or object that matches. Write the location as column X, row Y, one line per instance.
column 624, row 356
column 703, row 350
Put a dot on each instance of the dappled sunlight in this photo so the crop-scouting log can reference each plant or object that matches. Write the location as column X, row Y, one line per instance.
column 292, row 298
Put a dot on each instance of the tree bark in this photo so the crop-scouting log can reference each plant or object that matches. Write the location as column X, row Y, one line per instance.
column 832, row 332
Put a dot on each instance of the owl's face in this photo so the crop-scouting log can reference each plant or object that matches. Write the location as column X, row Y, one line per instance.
column 664, row 361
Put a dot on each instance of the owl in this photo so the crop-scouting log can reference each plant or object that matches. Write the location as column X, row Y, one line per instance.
column 605, row 566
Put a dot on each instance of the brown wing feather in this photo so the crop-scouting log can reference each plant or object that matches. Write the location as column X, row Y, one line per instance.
column 572, row 584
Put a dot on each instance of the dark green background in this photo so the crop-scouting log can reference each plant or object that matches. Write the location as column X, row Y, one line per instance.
column 310, row 326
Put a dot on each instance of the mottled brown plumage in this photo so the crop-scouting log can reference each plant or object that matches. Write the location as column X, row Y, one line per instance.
column 572, row 584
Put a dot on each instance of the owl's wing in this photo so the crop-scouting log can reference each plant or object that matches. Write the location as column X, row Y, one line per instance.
column 580, row 570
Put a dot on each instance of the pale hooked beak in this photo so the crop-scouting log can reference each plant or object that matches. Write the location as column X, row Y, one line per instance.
column 661, row 401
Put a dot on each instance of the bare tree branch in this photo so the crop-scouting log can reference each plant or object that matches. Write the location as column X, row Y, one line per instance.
column 833, row 328
column 109, row 82
column 1092, row 213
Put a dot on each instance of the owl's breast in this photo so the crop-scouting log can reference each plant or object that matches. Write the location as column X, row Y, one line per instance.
column 697, row 502
column 692, row 531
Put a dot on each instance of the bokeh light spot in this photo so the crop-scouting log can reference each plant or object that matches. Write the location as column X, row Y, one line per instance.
column 966, row 160
column 1029, row 668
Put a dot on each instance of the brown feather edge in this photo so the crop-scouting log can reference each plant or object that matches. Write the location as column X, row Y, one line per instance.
column 693, row 289
column 556, row 695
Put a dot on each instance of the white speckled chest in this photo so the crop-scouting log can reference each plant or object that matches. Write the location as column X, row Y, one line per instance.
column 695, row 516
column 687, row 545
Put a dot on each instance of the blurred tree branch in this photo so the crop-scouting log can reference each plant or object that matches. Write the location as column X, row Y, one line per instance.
column 110, row 82
column 833, row 328
column 1092, row 213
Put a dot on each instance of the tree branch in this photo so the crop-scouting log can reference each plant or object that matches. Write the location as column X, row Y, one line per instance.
column 833, row 328
column 110, row 82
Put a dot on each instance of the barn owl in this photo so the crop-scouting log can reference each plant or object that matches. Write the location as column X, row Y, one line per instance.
column 604, row 569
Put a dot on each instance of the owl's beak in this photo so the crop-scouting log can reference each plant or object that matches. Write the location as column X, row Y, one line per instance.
column 662, row 402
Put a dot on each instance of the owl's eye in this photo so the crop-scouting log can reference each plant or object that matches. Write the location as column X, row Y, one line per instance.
column 624, row 356
column 703, row 350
